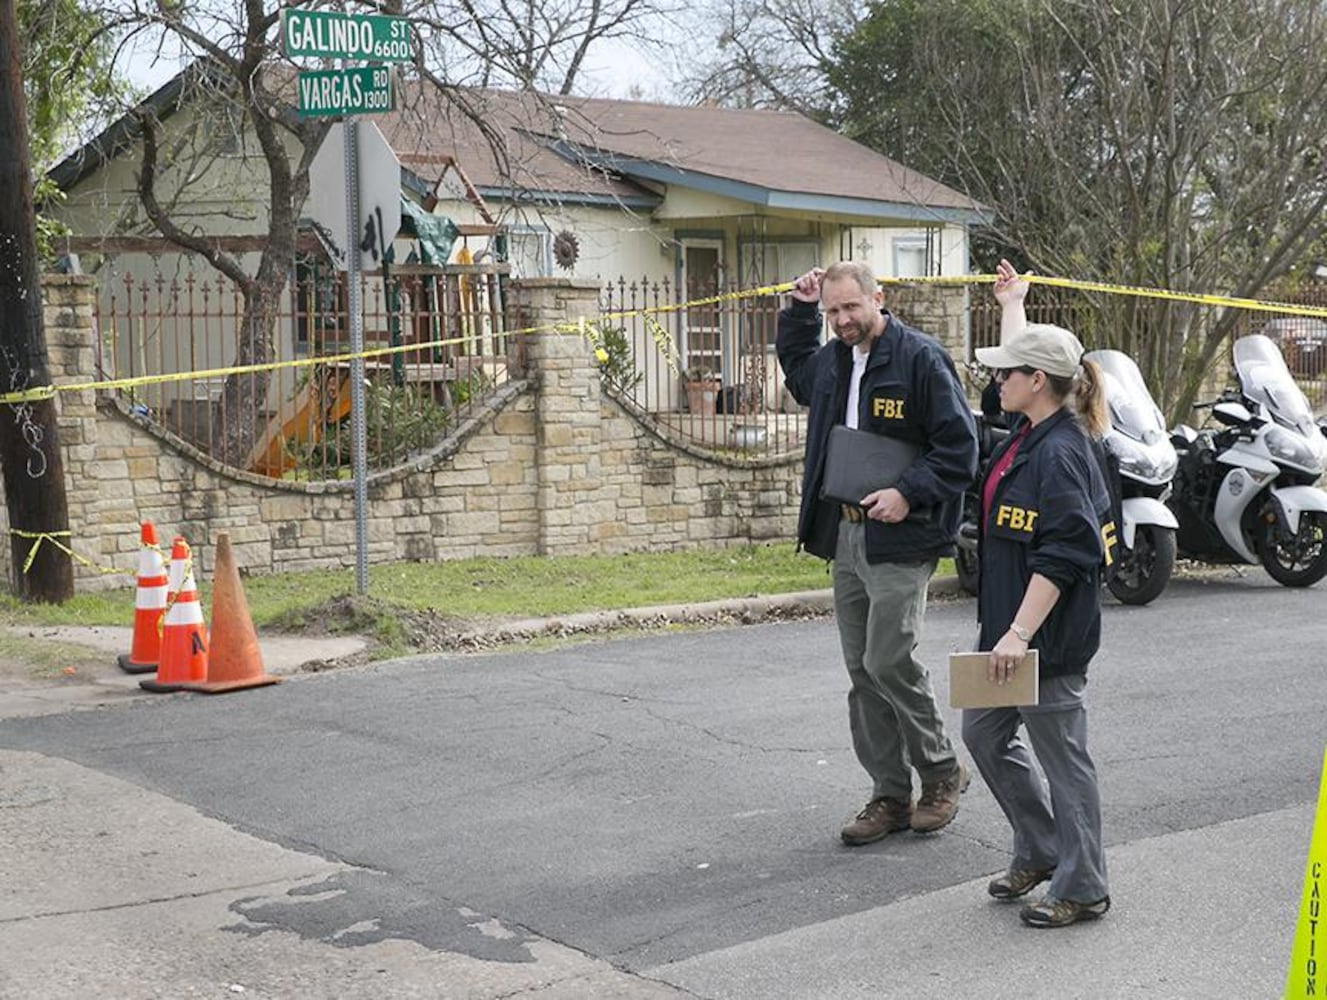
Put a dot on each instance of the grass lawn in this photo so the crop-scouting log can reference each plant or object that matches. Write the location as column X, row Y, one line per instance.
column 480, row 589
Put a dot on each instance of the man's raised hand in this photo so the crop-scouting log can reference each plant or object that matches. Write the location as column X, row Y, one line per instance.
column 806, row 288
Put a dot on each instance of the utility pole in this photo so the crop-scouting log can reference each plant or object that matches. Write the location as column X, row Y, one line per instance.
column 30, row 458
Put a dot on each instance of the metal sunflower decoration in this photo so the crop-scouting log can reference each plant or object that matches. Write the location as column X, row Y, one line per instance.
column 566, row 248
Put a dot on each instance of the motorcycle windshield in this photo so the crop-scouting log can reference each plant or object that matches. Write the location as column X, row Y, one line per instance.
column 1132, row 410
column 1265, row 379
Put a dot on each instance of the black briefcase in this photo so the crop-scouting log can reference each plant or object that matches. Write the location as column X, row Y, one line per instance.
column 859, row 462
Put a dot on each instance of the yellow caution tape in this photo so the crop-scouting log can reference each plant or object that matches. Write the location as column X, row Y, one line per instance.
column 709, row 300
column 44, row 392
column 47, row 391
column 1306, row 975
column 53, row 537
column 33, row 395
column 1221, row 301
column 658, row 333
column 664, row 342
column 171, row 599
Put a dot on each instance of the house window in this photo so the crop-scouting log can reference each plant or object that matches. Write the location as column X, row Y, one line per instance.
column 530, row 252
column 771, row 264
column 911, row 257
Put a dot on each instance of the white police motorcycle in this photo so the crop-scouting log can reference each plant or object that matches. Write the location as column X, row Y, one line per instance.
column 1144, row 458
column 1244, row 490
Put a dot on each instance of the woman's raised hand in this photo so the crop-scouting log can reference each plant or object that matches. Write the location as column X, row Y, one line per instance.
column 1009, row 287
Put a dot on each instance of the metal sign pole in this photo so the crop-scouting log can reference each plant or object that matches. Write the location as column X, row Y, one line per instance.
column 358, row 461
column 347, row 92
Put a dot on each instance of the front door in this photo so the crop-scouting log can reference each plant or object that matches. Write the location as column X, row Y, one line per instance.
column 702, row 327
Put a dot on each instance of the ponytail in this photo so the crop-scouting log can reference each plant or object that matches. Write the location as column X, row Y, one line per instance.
column 1087, row 393
column 1090, row 400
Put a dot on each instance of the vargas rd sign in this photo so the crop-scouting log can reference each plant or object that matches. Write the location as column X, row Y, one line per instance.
column 360, row 91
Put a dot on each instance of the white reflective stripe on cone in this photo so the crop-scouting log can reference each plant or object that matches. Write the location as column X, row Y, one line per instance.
column 185, row 611
column 150, row 598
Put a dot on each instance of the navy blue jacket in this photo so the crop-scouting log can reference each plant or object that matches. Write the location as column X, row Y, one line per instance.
column 1050, row 514
column 909, row 390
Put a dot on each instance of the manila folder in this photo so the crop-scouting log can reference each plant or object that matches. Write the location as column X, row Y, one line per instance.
column 969, row 687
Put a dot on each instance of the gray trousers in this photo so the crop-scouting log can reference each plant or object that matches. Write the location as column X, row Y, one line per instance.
column 1062, row 828
column 895, row 722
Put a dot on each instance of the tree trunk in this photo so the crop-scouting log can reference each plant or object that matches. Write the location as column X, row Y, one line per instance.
column 30, row 455
column 238, row 421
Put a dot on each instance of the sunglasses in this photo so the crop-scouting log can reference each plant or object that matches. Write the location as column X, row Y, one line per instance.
column 1003, row 373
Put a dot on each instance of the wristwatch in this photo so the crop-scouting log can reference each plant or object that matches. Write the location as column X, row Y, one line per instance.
column 1020, row 631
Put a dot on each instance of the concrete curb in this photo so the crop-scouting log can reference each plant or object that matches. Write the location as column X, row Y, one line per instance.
column 744, row 610
column 294, row 655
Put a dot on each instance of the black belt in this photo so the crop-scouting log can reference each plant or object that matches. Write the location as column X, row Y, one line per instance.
column 853, row 513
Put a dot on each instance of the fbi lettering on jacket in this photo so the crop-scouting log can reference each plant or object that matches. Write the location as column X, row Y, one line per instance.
column 1108, row 542
column 889, row 409
column 1024, row 519
column 1015, row 518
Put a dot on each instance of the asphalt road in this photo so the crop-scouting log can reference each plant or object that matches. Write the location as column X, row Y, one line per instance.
column 670, row 804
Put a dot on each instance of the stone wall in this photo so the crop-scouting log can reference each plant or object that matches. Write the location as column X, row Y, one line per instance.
column 553, row 466
column 940, row 310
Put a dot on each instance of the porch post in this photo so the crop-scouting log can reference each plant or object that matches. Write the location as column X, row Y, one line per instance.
column 568, row 421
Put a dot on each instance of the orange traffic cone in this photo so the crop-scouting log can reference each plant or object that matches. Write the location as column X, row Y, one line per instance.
column 179, row 557
column 183, row 635
column 234, row 662
column 149, row 606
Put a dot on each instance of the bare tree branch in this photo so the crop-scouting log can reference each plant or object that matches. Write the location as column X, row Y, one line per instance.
column 773, row 54
column 534, row 45
column 1119, row 142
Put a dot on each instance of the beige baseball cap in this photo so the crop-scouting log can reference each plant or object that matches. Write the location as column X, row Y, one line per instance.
column 1051, row 349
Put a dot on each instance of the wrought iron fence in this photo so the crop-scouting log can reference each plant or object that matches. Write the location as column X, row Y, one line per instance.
column 292, row 421
column 699, row 361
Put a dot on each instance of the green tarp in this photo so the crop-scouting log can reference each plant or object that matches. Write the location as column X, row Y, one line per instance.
column 436, row 233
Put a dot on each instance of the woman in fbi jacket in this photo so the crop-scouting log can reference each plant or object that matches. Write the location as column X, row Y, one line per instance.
column 1045, row 535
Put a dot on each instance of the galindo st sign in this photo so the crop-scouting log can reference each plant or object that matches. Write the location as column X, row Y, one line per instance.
column 334, row 35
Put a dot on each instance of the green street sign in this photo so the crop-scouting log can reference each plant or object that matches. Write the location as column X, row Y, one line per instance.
column 363, row 90
column 332, row 35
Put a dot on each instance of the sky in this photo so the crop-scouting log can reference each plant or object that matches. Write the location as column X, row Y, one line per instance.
column 612, row 69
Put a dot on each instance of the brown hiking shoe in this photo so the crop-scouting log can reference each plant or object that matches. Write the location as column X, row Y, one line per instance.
column 880, row 818
column 938, row 804
column 1051, row 912
column 1018, row 882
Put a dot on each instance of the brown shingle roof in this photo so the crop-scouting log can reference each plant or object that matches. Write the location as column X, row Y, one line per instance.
column 749, row 154
column 502, row 154
column 560, row 147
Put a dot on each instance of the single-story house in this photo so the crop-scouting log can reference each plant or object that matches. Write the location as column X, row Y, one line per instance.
column 695, row 199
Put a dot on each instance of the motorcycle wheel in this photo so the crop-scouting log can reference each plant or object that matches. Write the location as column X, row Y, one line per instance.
column 1298, row 561
column 1145, row 569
